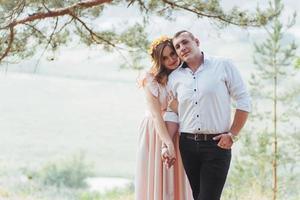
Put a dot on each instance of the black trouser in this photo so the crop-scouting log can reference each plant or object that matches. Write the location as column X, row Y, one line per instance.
column 206, row 166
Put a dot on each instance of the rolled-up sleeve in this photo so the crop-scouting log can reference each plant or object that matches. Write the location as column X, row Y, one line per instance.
column 237, row 87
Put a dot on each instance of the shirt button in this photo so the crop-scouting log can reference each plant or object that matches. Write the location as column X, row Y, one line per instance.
column 196, row 103
column 197, row 115
column 194, row 77
column 195, row 90
column 198, row 129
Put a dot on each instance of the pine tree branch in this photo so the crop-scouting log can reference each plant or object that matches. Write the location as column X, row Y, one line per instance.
column 37, row 30
column 140, row 2
column 66, row 24
column 17, row 9
column 92, row 33
column 46, row 47
column 46, row 6
column 56, row 13
column 219, row 17
column 42, row 15
column 11, row 39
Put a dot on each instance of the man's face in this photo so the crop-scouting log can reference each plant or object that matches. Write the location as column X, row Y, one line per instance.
column 186, row 47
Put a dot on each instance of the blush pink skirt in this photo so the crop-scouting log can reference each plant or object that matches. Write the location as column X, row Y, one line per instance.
column 153, row 181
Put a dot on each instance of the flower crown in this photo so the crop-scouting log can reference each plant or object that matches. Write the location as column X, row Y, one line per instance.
column 157, row 42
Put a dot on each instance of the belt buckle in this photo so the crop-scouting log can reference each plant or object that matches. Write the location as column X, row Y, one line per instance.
column 196, row 137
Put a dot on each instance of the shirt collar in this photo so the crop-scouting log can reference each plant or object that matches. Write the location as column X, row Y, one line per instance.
column 184, row 65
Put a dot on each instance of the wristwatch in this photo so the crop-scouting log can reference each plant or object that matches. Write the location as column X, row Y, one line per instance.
column 233, row 137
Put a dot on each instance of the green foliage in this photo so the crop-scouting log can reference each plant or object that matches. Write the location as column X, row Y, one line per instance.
column 95, row 11
column 297, row 63
column 50, row 33
column 257, row 161
column 69, row 172
column 272, row 120
column 115, row 194
column 210, row 9
column 135, row 36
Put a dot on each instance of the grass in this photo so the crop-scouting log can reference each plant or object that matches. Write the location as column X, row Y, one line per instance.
column 45, row 120
column 34, row 191
column 125, row 194
column 70, row 172
column 58, row 180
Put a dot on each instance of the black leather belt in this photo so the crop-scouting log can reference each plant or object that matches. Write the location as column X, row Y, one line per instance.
column 199, row 136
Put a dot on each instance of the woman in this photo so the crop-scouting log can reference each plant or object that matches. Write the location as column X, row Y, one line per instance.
column 154, row 180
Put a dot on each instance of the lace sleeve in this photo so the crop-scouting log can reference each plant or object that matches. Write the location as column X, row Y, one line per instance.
column 151, row 84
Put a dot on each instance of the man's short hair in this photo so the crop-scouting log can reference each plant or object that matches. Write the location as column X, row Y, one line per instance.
column 184, row 31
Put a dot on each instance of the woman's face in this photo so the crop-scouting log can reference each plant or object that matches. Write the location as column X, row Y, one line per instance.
column 169, row 58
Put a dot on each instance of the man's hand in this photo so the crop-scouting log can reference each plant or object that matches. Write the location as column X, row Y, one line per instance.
column 172, row 102
column 225, row 141
column 165, row 155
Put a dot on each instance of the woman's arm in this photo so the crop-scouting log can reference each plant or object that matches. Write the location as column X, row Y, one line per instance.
column 160, row 126
column 172, row 128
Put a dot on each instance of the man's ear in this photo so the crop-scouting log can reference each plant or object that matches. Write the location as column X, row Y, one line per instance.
column 197, row 42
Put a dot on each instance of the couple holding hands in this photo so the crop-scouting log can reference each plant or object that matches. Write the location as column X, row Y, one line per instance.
column 185, row 138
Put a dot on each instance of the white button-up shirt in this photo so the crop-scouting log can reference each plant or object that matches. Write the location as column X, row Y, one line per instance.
column 205, row 96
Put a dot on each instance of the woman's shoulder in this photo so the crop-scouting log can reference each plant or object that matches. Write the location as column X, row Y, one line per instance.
column 146, row 78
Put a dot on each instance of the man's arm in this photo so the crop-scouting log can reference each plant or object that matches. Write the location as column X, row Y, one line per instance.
column 238, row 91
column 239, row 121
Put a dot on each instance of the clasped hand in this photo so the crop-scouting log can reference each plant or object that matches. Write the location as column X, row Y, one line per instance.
column 168, row 155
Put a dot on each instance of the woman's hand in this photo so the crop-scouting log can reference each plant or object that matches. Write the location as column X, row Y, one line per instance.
column 164, row 154
column 168, row 154
column 172, row 102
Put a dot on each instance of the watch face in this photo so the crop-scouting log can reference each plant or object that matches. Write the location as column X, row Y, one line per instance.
column 233, row 137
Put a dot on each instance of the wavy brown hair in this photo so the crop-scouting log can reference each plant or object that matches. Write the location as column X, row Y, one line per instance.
column 158, row 70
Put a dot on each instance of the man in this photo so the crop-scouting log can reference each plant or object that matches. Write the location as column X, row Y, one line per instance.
column 204, row 87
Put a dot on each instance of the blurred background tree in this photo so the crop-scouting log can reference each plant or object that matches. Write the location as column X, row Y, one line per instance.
column 267, row 163
column 28, row 25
